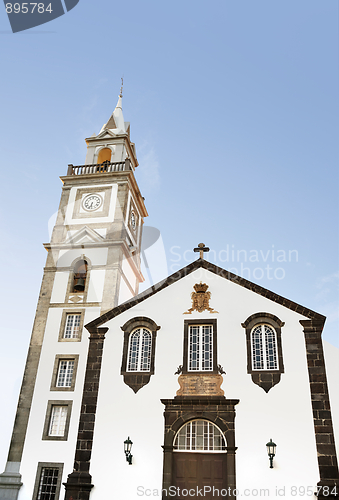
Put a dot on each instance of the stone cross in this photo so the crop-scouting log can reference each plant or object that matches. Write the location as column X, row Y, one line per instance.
column 201, row 248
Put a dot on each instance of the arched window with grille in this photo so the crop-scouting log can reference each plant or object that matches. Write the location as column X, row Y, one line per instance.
column 138, row 356
column 139, row 351
column 264, row 349
column 200, row 436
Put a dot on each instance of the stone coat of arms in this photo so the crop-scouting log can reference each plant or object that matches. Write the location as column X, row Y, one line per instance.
column 200, row 299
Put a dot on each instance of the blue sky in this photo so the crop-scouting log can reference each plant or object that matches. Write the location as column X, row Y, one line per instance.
column 233, row 108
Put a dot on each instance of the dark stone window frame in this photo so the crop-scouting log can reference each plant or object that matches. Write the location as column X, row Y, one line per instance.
column 189, row 322
column 64, row 357
column 136, row 380
column 267, row 378
column 50, row 405
column 50, row 465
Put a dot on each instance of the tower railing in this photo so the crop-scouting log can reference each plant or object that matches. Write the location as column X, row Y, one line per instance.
column 100, row 168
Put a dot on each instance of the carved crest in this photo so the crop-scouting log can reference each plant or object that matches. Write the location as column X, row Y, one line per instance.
column 200, row 299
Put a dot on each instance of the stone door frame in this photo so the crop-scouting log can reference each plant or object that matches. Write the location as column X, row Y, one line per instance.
column 215, row 409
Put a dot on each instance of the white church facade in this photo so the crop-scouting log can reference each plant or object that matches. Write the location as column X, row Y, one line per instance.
column 193, row 376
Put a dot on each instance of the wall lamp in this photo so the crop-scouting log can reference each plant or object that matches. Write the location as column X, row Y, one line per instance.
column 127, row 449
column 271, row 451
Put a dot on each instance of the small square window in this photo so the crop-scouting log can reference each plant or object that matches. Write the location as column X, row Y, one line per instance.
column 57, row 420
column 48, row 481
column 72, row 327
column 64, row 372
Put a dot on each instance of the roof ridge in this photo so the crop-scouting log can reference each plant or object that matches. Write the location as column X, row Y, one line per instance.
column 185, row 271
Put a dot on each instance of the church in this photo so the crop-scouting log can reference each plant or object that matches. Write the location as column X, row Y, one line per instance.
column 204, row 385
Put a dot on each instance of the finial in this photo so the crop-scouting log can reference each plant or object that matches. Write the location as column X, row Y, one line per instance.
column 201, row 248
column 122, row 85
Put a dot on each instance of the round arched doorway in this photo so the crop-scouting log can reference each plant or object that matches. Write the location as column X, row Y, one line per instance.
column 200, row 459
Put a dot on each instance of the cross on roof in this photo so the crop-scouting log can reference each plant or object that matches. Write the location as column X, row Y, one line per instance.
column 201, row 248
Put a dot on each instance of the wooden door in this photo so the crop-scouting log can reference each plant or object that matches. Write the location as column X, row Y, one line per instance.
column 199, row 470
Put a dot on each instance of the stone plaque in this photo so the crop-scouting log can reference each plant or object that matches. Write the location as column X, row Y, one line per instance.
column 200, row 385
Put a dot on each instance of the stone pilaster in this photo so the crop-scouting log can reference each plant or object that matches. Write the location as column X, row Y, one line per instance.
column 327, row 458
column 79, row 482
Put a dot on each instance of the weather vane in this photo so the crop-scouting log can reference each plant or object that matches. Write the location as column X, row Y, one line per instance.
column 122, row 85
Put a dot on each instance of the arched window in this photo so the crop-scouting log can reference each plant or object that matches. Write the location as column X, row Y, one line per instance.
column 200, row 436
column 139, row 351
column 105, row 154
column 79, row 276
column 264, row 348
column 138, row 355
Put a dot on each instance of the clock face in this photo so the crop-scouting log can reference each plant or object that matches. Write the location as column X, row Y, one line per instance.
column 133, row 221
column 92, row 202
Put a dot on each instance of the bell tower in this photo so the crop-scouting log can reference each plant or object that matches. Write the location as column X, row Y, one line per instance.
column 102, row 208
column 93, row 264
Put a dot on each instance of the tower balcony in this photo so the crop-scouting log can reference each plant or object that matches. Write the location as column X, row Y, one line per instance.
column 100, row 168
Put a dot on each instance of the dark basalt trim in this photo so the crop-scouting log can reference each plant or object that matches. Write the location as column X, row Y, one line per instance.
column 265, row 379
column 322, row 418
column 136, row 380
column 79, row 482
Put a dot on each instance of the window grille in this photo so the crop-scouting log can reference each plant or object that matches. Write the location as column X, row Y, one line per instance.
column 139, row 352
column 65, row 373
column 48, row 483
column 271, row 348
column 200, row 343
column 200, row 435
column 58, row 421
column 72, row 328
column 264, row 348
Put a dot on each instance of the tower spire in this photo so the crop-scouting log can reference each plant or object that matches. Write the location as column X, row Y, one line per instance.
column 116, row 121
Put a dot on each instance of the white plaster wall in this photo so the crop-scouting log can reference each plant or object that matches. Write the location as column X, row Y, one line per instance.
column 59, row 287
column 128, row 272
column 97, row 256
column 35, row 449
column 284, row 414
column 124, row 292
column 96, row 285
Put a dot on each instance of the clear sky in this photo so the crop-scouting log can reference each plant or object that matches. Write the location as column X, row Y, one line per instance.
column 233, row 107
